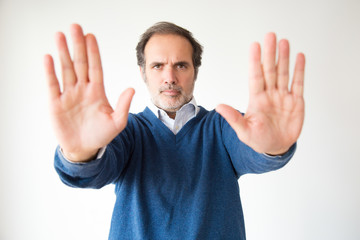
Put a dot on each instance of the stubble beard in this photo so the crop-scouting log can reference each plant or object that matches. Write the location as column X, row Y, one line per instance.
column 171, row 103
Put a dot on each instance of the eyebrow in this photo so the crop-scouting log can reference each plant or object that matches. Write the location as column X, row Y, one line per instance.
column 156, row 63
column 182, row 63
column 176, row 63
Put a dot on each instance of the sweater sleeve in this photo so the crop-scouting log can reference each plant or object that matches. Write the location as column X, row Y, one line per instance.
column 246, row 160
column 101, row 171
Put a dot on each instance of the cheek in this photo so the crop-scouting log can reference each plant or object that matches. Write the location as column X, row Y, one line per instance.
column 153, row 88
column 189, row 85
column 151, row 81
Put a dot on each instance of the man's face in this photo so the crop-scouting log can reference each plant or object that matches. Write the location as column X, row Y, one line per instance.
column 169, row 71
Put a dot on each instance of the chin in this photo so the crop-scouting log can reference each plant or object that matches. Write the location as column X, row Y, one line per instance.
column 170, row 106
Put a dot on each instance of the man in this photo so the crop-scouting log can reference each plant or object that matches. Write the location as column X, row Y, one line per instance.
column 175, row 165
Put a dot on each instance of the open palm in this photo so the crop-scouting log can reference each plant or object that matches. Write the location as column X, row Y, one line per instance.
column 275, row 115
column 82, row 117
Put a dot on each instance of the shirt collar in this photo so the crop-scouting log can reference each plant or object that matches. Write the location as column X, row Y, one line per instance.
column 157, row 111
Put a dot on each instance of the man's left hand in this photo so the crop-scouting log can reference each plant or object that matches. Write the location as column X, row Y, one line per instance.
column 275, row 115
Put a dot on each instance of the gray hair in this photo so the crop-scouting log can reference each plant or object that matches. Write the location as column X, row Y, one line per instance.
column 169, row 28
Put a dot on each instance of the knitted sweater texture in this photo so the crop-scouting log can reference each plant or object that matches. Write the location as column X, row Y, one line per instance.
column 167, row 186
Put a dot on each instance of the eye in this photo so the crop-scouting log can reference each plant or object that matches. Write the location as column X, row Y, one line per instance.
column 181, row 66
column 156, row 65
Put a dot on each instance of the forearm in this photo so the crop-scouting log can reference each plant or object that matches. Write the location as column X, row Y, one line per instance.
column 247, row 160
column 103, row 170
column 80, row 174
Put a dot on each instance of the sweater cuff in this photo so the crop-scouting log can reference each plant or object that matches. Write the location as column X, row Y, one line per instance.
column 76, row 169
column 286, row 155
column 98, row 156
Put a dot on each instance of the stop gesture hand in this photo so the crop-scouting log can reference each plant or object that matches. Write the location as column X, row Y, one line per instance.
column 82, row 117
column 275, row 115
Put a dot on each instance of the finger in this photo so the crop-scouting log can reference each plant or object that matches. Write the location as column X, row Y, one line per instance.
column 67, row 69
column 121, row 112
column 256, row 77
column 269, row 65
column 297, row 86
column 52, row 82
column 283, row 66
column 80, row 56
column 95, row 69
column 235, row 119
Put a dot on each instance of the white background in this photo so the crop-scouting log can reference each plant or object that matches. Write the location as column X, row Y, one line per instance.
column 316, row 196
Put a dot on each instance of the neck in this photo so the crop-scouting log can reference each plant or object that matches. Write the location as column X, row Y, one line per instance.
column 171, row 115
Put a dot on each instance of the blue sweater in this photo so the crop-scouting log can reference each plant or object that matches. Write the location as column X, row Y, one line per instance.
column 168, row 186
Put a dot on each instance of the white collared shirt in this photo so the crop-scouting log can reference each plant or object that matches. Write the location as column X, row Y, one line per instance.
column 183, row 115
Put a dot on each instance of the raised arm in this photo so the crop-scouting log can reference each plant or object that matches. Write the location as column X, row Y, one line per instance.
column 275, row 115
column 82, row 117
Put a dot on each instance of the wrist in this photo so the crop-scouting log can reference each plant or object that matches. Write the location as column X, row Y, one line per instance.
column 79, row 157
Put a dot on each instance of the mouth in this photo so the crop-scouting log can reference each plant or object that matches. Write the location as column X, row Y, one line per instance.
column 170, row 92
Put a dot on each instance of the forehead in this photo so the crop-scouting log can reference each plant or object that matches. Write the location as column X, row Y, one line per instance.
column 168, row 47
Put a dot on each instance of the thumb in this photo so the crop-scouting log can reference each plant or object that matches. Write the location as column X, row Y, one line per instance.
column 121, row 112
column 234, row 118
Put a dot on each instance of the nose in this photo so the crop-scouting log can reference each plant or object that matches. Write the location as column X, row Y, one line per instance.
column 169, row 76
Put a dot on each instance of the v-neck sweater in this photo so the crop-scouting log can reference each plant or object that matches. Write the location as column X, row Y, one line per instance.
column 168, row 186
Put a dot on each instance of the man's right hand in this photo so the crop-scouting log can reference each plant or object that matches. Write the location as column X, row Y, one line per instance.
column 82, row 117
